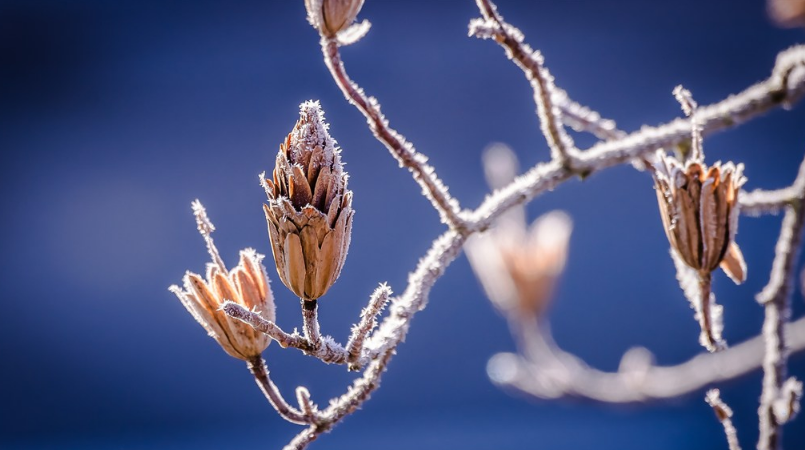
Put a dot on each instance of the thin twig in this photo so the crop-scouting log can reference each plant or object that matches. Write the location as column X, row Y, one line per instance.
column 724, row 415
column 532, row 64
column 400, row 148
column 345, row 405
column 582, row 118
column 303, row 439
column 328, row 351
column 368, row 322
column 783, row 88
column 261, row 375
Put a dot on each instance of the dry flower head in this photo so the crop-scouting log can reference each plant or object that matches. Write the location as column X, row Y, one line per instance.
column 246, row 285
column 699, row 210
column 309, row 211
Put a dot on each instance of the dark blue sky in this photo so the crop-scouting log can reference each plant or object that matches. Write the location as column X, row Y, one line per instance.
column 115, row 115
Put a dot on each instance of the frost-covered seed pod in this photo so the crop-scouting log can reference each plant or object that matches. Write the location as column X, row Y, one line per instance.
column 699, row 209
column 309, row 210
column 246, row 285
column 332, row 16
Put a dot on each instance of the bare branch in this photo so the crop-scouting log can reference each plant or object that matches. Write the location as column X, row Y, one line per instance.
column 328, row 350
column 532, row 64
column 582, row 118
column 785, row 87
column 400, row 148
column 368, row 322
column 258, row 368
column 345, row 405
column 724, row 415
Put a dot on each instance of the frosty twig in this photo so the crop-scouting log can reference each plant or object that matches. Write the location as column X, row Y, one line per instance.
column 724, row 415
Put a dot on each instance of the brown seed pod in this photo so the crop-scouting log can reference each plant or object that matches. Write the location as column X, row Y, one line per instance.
column 699, row 209
column 332, row 16
column 246, row 285
column 309, row 211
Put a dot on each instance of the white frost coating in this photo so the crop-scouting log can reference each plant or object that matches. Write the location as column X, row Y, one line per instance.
column 314, row 14
column 354, row 33
column 313, row 133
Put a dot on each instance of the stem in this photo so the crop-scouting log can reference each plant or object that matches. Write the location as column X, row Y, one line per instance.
column 257, row 366
column 531, row 63
column 310, row 323
column 710, row 338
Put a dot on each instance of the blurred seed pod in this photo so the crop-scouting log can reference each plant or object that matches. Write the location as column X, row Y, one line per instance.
column 787, row 13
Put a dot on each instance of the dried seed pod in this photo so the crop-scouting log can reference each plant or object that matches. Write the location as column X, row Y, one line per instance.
column 699, row 209
column 309, row 210
column 332, row 16
column 246, row 285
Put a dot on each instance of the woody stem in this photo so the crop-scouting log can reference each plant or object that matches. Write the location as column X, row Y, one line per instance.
column 257, row 366
column 310, row 322
column 709, row 340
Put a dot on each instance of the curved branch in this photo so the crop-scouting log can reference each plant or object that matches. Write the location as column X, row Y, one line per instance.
column 400, row 148
column 555, row 373
column 532, row 64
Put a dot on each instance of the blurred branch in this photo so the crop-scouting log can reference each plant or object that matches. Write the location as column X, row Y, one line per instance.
column 554, row 373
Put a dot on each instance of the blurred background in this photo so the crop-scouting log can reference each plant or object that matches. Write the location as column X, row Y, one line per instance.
column 114, row 116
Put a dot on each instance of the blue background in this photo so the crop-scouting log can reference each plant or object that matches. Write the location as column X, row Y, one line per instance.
column 115, row 115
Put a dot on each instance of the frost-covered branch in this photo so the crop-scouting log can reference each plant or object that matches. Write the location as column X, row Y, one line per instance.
column 258, row 368
column 368, row 322
column 327, row 349
column 724, row 415
column 400, row 148
column 345, row 405
column 532, row 63
column 778, row 90
column 582, row 118
column 784, row 87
